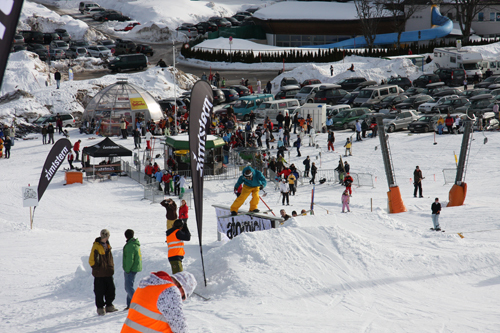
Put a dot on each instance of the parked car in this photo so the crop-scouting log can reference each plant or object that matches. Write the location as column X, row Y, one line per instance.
column 100, row 16
column 386, row 103
column 427, row 107
column 32, row 36
column 99, row 51
column 189, row 32
column 367, row 117
column 452, row 77
column 241, row 17
column 33, row 47
column 349, row 98
column 450, row 105
column 125, row 47
column 129, row 26
column 287, row 92
column 145, row 49
column 413, row 102
column 414, row 91
column 401, row 120
column 308, row 82
column 234, row 22
column 167, row 103
column 400, row 81
column 423, row 80
column 67, row 119
column 330, row 94
column 93, row 10
column 204, row 27
column 128, row 61
column 447, row 92
column 84, row 5
column 59, row 45
column 289, row 81
column 219, row 96
column 230, row 94
column 433, row 88
column 108, row 43
column 115, row 17
column 474, row 92
column 48, row 37
column 19, row 47
column 423, row 124
column 79, row 43
column 65, row 36
column 351, row 83
column 18, row 39
column 477, row 104
column 220, row 21
column 242, row 90
column 306, row 93
column 56, row 54
column 342, row 119
column 488, row 82
column 40, row 50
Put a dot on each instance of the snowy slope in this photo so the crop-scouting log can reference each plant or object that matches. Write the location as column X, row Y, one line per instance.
column 364, row 271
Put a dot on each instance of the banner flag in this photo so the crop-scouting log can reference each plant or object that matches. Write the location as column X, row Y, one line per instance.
column 10, row 10
column 199, row 126
column 54, row 160
column 233, row 226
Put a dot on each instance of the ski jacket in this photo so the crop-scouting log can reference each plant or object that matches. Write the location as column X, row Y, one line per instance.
column 148, row 170
column 285, row 173
column 284, row 188
column 101, row 259
column 159, row 176
column 171, row 208
column 329, row 122
column 71, row 157
column 347, row 167
column 348, row 144
column 76, row 147
column 156, row 168
column 436, row 208
column 417, row 176
column 345, row 198
column 331, row 137
column 182, row 181
column 307, row 163
column 175, row 238
column 348, row 180
column 57, row 76
column 183, row 212
column 132, row 257
column 291, row 179
column 258, row 179
column 166, row 178
column 358, row 126
column 148, row 136
column 50, row 129
column 156, row 307
column 449, row 121
column 280, row 118
column 314, row 169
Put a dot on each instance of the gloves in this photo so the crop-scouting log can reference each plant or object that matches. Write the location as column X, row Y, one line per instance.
column 261, row 187
column 235, row 191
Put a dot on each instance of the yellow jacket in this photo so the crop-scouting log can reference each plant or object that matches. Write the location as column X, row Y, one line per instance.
column 440, row 121
column 291, row 179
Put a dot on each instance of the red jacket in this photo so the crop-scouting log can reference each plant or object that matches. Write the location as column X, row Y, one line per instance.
column 166, row 178
column 156, row 168
column 183, row 212
column 149, row 170
column 449, row 121
column 286, row 172
column 76, row 147
column 71, row 157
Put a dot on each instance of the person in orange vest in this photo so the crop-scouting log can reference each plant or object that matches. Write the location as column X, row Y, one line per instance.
column 157, row 303
column 175, row 237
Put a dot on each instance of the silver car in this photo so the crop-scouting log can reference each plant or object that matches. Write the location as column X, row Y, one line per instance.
column 306, row 94
column 395, row 121
column 76, row 52
column 59, row 45
column 99, row 51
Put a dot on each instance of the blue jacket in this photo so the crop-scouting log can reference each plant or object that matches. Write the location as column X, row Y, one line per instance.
column 158, row 176
column 298, row 142
column 257, row 180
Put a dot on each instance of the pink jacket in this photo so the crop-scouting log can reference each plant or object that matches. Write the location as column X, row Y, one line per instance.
column 345, row 198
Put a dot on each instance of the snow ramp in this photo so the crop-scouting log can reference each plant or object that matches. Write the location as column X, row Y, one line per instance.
column 441, row 27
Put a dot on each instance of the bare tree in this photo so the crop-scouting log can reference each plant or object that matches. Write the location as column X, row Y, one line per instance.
column 402, row 11
column 369, row 13
column 466, row 11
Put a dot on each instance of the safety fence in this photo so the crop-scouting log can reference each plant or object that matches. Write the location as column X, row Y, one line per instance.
column 153, row 193
column 449, row 175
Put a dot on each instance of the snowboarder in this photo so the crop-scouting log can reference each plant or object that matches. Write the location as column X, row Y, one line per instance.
column 157, row 303
column 345, row 201
column 285, row 192
column 132, row 263
column 436, row 210
column 175, row 237
column 103, row 268
column 253, row 181
column 417, row 181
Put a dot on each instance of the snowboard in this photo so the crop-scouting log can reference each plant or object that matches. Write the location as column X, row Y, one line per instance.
column 245, row 213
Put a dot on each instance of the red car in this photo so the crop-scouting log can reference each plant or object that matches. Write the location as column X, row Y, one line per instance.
column 129, row 27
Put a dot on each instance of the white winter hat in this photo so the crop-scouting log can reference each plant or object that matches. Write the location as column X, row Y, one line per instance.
column 187, row 281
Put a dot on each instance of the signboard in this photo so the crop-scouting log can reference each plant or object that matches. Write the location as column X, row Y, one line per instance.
column 30, row 196
column 138, row 103
column 230, row 39
column 233, row 226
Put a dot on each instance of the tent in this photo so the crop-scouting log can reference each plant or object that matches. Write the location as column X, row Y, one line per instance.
column 106, row 148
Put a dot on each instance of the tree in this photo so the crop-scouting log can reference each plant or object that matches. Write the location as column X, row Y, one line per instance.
column 369, row 13
column 402, row 11
column 466, row 11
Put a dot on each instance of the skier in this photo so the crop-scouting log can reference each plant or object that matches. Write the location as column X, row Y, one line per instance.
column 253, row 181
column 175, row 237
column 285, row 191
column 157, row 303
column 345, row 201
column 348, row 145
column 436, row 210
column 348, row 182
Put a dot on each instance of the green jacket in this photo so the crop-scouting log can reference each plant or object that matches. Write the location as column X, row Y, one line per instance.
column 132, row 258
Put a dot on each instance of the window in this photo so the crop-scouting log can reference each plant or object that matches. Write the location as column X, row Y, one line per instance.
column 492, row 16
column 393, row 90
column 384, row 92
column 453, row 59
column 480, row 17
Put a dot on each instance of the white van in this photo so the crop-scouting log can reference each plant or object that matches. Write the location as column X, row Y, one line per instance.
column 375, row 94
column 493, row 65
column 84, row 5
column 307, row 93
column 272, row 108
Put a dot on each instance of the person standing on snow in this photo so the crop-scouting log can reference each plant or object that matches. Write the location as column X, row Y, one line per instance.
column 348, row 182
column 149, row 136
column 175, row 237
column 291, row 182
column 253, row 181
column 157, row 303
column 436, row 210
column 285, row 191
column 348, row 147
column 57, row 77
column 103, row 268
column 358, row 130
column 297, row 145
column 417, row 181
column 307, row 165
column 132, row 263
column 183, row 211
column 331, row 140
column 171, row 208
column 71, row 158
column 76, row 149
column 345, row 201
column 314, row 170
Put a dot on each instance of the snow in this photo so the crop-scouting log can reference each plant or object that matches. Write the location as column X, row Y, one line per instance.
column 363, row 271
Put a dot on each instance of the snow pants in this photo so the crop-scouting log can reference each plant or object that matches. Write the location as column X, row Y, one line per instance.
column 349, row 189
column 176, row 266
column 435, row 220
column 245, row 192
column 344, row 206
column 104, row 288
column 330, row 145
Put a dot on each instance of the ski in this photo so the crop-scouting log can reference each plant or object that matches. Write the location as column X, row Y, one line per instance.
column 202, row 297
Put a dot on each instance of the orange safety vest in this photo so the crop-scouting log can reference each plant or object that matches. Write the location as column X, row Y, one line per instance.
column 143, row 314
column 175, row 246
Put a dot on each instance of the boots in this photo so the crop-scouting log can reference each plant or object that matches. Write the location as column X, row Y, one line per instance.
column 101, row 312
column 111, row 308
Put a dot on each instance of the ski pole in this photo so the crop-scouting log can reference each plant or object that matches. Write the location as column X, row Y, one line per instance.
column 266, row 205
